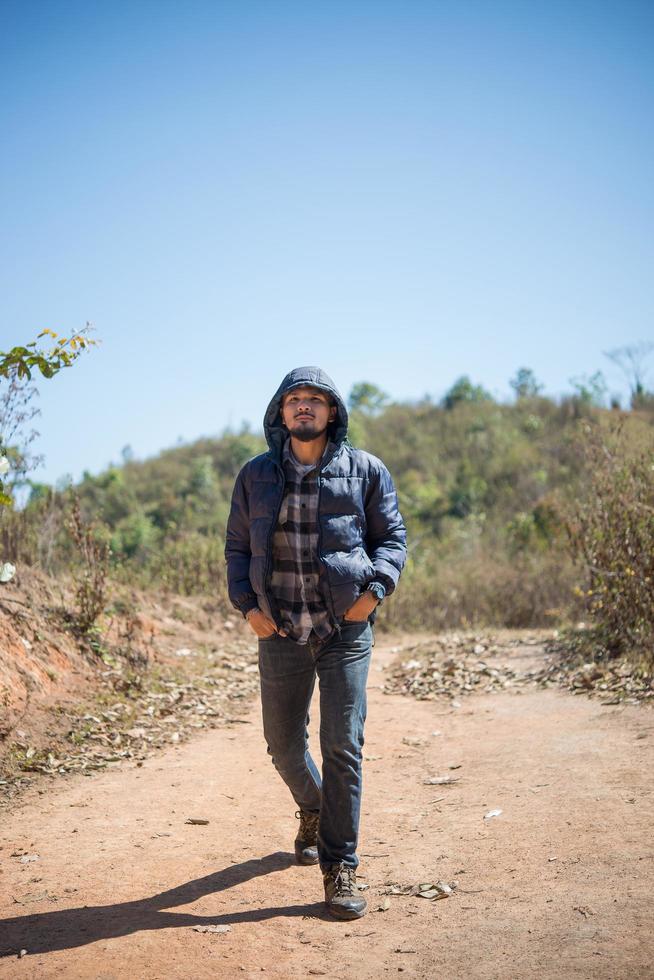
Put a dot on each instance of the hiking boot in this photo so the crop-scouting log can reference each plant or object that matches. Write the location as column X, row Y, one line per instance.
column 307, row 837
column 342, row 897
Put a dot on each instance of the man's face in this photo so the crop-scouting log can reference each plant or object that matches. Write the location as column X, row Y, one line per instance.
column 306, row 413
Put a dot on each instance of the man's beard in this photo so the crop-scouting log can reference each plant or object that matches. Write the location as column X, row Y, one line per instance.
column 307, row 432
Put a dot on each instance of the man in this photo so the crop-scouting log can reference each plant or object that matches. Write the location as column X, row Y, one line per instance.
column 314, row 542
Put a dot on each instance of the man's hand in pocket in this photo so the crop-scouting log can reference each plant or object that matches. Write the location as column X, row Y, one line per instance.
column 261, row 625
column 361, row 609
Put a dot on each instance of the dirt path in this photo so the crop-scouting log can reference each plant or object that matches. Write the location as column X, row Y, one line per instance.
column 558, row 885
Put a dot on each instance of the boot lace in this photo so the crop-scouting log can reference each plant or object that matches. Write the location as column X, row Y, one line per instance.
column 345, row 880
column 308, row 825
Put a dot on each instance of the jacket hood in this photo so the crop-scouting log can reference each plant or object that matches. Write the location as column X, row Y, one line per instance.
column 273, row 428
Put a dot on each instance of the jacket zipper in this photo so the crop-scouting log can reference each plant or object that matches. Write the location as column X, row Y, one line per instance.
column 330, row 601
column 269, row 557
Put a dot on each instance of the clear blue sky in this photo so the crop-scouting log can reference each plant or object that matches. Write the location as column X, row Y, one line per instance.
column 400, row 192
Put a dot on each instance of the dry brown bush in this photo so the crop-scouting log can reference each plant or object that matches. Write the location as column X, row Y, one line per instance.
column 611, row 529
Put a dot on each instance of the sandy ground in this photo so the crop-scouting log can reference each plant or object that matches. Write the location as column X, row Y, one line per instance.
column 558, row 885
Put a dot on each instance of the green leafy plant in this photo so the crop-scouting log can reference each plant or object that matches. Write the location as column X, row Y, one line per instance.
column 16, row 366
column 63, row 353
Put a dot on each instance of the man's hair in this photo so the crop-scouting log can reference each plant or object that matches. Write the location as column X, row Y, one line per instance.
column 330, row 398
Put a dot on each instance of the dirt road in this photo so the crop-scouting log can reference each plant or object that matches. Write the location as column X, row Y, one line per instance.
column 557, row 885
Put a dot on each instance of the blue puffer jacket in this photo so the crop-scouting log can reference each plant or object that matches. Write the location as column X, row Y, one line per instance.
column 361, row 535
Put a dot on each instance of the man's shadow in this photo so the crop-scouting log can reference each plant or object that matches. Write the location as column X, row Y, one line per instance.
column 44, row 932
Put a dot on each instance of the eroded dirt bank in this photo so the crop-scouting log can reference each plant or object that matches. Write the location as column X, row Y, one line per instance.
column 101, row 877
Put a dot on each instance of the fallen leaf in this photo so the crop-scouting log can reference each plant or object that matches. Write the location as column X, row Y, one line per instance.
column 434, row 891
column 584, row 910
column 32, row 897
column 212, row 929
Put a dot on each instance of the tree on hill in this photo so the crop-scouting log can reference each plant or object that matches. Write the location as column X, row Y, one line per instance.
column 367, row 398
column 525, row 384
column 463, row 390
column 631, row 361
column 590, row 390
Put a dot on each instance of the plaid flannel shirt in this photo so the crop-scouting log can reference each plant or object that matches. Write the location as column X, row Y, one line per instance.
column 296, row 568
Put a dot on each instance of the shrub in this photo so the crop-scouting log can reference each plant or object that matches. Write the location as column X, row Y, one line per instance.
column 189, row 564
column 612, row 534
column 90, row 570
column 481, row 582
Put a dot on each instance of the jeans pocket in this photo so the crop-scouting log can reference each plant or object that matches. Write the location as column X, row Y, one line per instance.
column 354, row 628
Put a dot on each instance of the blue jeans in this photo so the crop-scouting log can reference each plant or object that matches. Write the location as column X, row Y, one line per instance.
column 288, row 672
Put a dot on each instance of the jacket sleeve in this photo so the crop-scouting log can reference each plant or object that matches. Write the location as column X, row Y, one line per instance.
column 385, row 531
column 237, row 549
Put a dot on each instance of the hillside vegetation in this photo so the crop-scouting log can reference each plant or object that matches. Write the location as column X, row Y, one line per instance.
column 534, row 513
